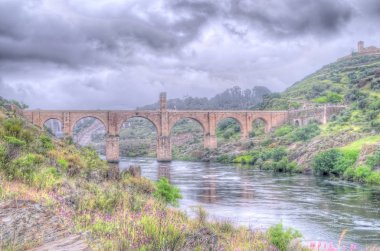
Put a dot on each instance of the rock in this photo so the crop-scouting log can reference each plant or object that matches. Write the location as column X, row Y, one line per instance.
column 25, row 223
column 69, row 243
column 304, row 153
column 133, row 170
column 204, row 238
column 367, row 149
column 113, row 172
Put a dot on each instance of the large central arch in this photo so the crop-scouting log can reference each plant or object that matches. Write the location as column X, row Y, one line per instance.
column 187, row 132
column 90, row 131
column 140, row 134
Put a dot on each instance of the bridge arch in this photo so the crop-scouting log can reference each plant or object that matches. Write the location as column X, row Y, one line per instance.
column 90, row 131
column 187, row 131
column 76, row 119
column 124, row 120
column 47, row 118
column 178, row 119
column 227, row 128
column 259, row 126
column 137, row 137
column 54, row 126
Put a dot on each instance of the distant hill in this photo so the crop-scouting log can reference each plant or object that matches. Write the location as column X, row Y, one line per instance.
column 337, row 82
column 233, row 98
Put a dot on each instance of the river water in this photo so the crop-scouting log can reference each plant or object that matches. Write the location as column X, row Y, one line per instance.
column 319, row 208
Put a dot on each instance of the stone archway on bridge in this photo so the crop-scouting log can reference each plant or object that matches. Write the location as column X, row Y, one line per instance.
column 138, row 137
column 90, row 131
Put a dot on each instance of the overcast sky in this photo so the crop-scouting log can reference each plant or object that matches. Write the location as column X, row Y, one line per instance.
column 119, row 54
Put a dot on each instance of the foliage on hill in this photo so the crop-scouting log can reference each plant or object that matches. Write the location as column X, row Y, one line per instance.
column 339, row 82
column 231, row 99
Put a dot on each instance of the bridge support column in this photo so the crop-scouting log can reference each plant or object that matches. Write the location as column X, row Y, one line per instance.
column 164, row 149
column 210, row 142
column 112, row 148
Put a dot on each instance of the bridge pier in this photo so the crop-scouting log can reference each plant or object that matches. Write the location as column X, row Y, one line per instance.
column 164, row 149
column 112, row 148
column 210, row 142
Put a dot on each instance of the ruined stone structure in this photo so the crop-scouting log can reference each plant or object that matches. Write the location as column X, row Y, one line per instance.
column 164, row 119
column 367, row 50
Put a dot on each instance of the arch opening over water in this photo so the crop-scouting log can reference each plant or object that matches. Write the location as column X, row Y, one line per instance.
column 258, row 128
column 138, row 137
column 227, row 130
column 187, row 138
column 91, row 132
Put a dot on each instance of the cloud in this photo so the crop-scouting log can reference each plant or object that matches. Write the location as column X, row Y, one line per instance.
column 121, row 54
column 284, row 19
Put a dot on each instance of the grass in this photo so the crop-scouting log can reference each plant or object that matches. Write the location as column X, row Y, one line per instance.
column 357, row 145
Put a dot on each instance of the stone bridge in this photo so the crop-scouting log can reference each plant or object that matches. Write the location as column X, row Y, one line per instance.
column 164, row 119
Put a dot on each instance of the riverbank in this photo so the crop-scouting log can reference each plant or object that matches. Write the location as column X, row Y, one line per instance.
column 83, row 195
column 320, row 208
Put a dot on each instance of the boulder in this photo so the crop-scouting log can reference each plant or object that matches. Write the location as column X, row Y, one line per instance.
column 133, row 170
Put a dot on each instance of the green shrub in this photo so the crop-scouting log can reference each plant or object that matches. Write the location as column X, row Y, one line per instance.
column 305, row 133
column 46, row 178
column 334, row 97
column 162, row 234
column 3, row 156
column 14, row 141
column 46, row 142
column 283, row 130
column 324, row 163
column 280, row 237
column 13, row 127
column 362, row 173
column 167, row 192
column 63, row 164
column 278, row 153
column 373, row 178
column 24, row 167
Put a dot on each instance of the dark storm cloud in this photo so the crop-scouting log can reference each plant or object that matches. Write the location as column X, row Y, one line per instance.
column 26, row 33
column 285, row 19
column 29, row 33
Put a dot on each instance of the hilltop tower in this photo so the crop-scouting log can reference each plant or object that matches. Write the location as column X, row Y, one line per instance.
column 360, row 46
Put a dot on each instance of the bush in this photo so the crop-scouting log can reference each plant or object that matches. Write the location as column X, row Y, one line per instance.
column 305, row 133
column 280, row 237
column 335, row 162
column 46, row 142
column 46, row 178
column 24, row 167
column 283, row 130
column 324, row 163
column 167, row 192
column 13, row 127
column 62, row 163
column 14, row 141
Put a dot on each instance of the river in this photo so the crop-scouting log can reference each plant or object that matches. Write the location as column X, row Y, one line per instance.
column 319, row 208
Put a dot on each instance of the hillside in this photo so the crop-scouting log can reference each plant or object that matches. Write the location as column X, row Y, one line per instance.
column 347, row 146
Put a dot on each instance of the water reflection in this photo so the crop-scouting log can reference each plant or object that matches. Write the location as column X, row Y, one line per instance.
column 321, row 209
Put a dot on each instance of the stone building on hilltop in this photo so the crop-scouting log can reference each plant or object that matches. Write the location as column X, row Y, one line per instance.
column 370, row 50
column 367, row 50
